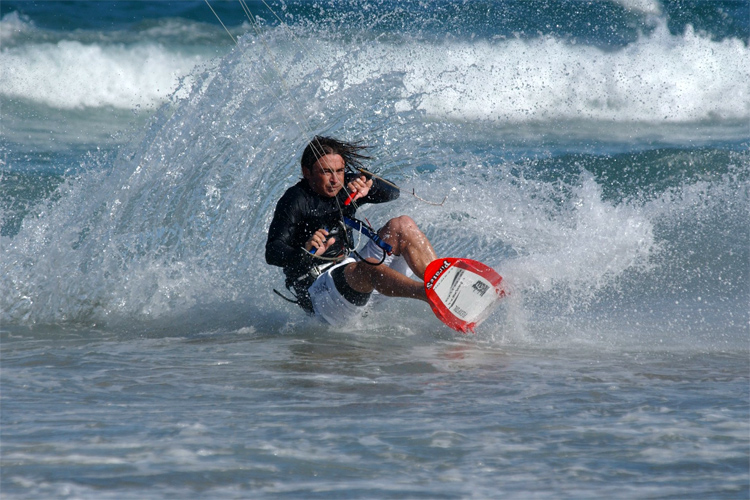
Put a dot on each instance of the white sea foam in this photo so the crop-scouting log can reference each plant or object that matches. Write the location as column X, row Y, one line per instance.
column 12, row 25
column 661, row 78
column 652, row 7
column 70, row 74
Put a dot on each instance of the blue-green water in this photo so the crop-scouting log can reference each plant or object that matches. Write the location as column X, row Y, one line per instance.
column 595, row 153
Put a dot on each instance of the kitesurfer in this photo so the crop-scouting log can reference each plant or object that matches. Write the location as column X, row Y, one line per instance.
column 309, row 239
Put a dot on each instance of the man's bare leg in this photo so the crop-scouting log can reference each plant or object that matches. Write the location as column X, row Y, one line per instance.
column 365, row 278
column 403, row 234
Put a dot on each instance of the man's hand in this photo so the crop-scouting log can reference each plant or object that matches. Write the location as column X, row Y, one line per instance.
column 319, row 240
column 359, row 188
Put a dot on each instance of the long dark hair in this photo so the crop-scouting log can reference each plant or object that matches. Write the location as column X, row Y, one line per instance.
column 321, row 146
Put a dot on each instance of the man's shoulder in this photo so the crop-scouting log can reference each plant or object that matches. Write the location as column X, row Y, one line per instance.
column 297, row 191
column 297, row 201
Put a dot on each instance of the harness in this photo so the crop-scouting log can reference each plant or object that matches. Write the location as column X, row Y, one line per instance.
column 328, row 262
column 360, row 226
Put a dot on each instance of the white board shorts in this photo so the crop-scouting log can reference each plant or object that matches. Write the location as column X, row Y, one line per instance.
column 330, row 306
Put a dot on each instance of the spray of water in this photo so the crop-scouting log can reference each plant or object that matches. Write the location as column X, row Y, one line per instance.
column 175, row 224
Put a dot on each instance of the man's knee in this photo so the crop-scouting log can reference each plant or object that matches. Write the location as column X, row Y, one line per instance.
column 402, row 225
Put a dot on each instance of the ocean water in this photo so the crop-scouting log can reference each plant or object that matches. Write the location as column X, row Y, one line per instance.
column 597, row 154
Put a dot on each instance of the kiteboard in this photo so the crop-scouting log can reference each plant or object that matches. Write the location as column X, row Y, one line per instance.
column 462, row 292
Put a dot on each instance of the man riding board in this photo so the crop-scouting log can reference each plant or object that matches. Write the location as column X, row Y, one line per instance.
column 310, row 240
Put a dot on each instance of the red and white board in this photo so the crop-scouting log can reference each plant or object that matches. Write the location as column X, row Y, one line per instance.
column 462, row 292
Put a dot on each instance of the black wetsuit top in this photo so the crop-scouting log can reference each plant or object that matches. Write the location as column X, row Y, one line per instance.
column 299, row 213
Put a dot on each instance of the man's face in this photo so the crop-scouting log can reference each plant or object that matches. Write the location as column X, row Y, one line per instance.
column 326, row 177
